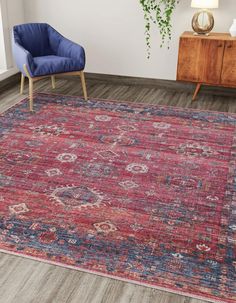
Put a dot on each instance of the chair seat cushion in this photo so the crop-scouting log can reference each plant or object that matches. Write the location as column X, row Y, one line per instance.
column 47, row 65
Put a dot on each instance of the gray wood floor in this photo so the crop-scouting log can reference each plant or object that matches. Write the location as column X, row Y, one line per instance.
column 26, row 281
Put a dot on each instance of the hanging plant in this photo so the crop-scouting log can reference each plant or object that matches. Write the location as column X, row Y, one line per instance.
column 158, row 12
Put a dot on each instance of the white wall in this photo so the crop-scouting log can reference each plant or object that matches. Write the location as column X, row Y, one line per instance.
column 3, row 63
column 12, row 12
column 15, row 15
column 112, row 31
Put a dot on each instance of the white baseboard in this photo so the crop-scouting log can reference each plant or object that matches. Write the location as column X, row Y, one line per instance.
column 8, row 73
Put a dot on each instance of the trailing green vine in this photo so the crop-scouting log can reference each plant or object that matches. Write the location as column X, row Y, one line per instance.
column 158, row 12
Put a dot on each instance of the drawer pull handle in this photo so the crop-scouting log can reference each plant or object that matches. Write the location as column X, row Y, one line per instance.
column 220, row 45
column 229, row 46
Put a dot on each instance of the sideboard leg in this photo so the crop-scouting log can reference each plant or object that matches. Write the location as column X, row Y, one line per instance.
column 196, row 91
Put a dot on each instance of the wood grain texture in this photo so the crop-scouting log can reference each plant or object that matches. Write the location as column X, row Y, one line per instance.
column 26, row 281
column 209, row 60
column 190, row 60
column 212, row 52
column 22, row 84
column 200, row 59
column 228, row 76
column 211, row 36
column 198, row 87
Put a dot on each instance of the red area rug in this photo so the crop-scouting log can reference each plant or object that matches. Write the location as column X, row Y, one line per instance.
column 141, row 193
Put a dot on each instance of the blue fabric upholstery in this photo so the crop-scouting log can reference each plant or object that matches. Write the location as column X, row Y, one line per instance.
column 45, row 51
column 47, row 65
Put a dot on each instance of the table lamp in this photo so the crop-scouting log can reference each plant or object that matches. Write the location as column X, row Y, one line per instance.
column 203, row 20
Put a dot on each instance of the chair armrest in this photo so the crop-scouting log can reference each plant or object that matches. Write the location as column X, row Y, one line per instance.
column 71, row 50
column 22, row 56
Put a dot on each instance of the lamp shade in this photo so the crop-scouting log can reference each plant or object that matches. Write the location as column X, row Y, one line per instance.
column 205, row 3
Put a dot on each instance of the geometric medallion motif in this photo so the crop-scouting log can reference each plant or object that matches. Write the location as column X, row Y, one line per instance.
column 123, row 140
column 77, row 197
column 18, row 209
column 66, row 158
column 105, row 227
column 137, row 168
column 18, row 157
column 195, row 149
column 48, row 130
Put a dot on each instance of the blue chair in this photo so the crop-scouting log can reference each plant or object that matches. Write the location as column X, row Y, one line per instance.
column 40, row 51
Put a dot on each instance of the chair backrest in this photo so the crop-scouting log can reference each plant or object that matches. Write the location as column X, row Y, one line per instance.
column 34, row 37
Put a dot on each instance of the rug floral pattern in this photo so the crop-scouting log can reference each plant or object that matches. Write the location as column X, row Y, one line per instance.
column 137, row 192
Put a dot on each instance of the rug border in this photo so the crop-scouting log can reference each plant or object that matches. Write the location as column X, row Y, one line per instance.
column 140, row 103
column 113, row 277
column 122, row 101
column 17, row 103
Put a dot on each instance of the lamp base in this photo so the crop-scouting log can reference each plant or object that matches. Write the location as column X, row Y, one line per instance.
column 207, row 22
column 201, row 34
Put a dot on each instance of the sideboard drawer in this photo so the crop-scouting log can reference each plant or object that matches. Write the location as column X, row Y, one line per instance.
column 209, row 60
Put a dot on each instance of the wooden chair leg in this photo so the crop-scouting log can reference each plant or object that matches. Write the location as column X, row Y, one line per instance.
column 53, row 79
column 22, row 83
column 196, row 91
column 82, row 77
column 31, row 88
column 31, row 94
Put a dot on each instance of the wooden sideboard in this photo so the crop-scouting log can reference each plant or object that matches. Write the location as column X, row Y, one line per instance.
column 207, row 60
